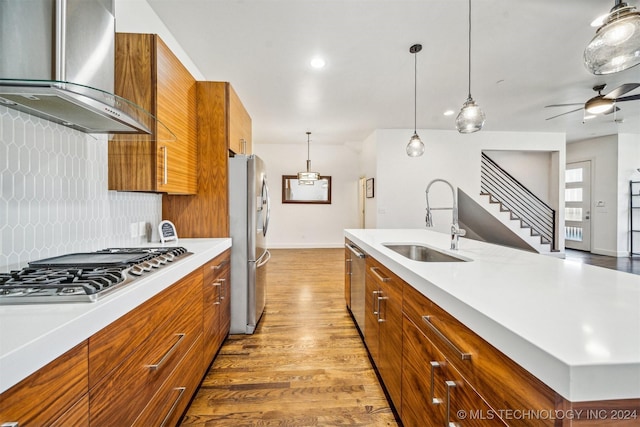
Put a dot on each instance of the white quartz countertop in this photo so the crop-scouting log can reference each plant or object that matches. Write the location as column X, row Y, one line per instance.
column 574, row 326
column 33, row 335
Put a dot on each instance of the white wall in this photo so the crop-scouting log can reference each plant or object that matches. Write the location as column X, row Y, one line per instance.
column 614, row 162
column 136, row 16
column 532, row 169
column 311, row 225
column 401, row 181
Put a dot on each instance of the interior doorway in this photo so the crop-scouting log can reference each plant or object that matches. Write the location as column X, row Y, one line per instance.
column 361, row 201
column 577, row 210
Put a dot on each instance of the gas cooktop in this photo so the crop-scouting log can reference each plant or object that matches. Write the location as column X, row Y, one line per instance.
column 83, row 277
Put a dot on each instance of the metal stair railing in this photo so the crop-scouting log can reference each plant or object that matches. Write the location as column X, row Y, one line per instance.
column 532, row 212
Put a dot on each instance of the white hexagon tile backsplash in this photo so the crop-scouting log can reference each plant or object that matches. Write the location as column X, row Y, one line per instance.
column 54, row 197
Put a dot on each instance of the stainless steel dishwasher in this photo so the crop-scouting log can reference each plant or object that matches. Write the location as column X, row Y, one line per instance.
column 356, row 265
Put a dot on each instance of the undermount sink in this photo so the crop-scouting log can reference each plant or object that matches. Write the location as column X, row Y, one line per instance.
column 423, row 253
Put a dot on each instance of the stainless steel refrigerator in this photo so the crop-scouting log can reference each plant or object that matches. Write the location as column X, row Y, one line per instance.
column 249, row 210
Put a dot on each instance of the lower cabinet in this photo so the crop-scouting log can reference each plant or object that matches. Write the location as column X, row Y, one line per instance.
column 167, row 327
column 217, row 304
column 383, row 326
column 434, row 392
column 55, row 395
column 140, row 370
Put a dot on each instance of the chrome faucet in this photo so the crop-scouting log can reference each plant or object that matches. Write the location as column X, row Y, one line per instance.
column 456, row 231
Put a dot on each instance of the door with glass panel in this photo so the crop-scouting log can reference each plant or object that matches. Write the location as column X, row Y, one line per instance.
column 577, row 210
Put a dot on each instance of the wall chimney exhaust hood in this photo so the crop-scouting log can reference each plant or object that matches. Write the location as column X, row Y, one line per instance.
column 57, row 63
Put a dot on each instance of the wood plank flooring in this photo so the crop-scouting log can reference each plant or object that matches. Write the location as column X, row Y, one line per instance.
column 305, row 365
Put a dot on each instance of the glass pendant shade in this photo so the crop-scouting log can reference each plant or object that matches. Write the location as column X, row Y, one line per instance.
column 471, row 118
column 616, row 45
column 307, row 177
column 415, row 147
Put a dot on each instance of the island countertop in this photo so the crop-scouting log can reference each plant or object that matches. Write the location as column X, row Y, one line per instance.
column 33, row 335
column 574, row 326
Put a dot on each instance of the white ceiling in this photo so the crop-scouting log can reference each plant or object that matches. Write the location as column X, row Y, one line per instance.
column 525, row 54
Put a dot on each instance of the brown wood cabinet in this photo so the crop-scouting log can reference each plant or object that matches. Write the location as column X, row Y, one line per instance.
column 130, row 360
column 451, row 376
column 239, row 125
column 217, row 304
column 140, row 370
column 383, row 326
column 150, row 75
column 54, row 395
column 502, row 384
column 207, row 213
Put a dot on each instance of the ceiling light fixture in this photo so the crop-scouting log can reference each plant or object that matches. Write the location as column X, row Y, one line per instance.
column 415, row 147
column 308, row 177
column 318, row 62
column 471, row 118
column 616, row 45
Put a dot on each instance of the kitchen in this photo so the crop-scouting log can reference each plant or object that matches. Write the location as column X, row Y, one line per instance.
column 101, row 219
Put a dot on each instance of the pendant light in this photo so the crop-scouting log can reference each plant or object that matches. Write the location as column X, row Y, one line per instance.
column 471, row 117
column 415, row 148
column 308, row 177
column 616, row 45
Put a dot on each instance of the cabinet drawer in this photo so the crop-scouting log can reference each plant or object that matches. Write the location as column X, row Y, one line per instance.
column 77, row 415
column 434, row 392
column 47, row 394
column 120, row 397
column 505, row 385
column 109, row 347
column 168, row 404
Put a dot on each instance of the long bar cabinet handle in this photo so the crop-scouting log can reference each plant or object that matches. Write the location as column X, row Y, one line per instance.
column 376, row 310
column 222, row 288
column 217, row 283
column 434, row 400
column 219, row 266
column 375, row 270
column 157, row 366
column 181, row 391
column 165, row 175
column 450, row 386
column 380, row 320
column 461, row 354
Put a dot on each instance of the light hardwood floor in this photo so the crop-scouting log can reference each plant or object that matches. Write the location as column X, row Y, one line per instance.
column 305, row 365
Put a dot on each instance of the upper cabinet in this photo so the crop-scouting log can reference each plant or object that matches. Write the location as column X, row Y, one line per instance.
column 222, row 120
column 150, row 75
column 239, row 124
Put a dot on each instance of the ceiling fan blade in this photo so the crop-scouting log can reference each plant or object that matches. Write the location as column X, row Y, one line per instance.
column 621, row 90
column 568, row 112
column 628, row 98
column 564, row 105
column 613, row 110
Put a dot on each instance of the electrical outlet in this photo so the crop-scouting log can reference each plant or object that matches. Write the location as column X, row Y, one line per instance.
column 142, row 228
column 133, row 229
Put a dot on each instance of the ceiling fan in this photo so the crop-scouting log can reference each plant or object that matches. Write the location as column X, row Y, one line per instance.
column 602, row 104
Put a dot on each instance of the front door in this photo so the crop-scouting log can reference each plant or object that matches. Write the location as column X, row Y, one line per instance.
column 577, row 210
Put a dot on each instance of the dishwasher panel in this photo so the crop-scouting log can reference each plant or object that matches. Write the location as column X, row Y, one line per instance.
column 357, row 284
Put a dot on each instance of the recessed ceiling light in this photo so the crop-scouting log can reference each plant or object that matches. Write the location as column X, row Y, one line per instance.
column 449, row 113
column 318, row 62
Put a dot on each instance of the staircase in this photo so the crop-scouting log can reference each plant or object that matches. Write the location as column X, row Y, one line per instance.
column 516, row 207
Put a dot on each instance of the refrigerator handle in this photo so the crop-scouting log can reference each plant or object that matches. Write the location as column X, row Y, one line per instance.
column 261, row 261
column 265, row 190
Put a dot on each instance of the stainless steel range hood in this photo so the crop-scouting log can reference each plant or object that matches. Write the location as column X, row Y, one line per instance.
column 57, row 63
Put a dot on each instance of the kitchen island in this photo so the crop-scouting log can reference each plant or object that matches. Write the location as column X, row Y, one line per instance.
column 574, row 326
column 31, row 336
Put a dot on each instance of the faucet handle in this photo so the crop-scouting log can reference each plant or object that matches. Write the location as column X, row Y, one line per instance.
column 462, row 232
